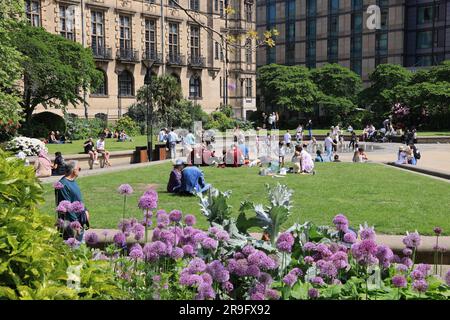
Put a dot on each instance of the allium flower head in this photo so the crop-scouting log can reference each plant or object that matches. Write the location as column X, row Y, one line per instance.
column 313, row 293
column 91, row 238
column 366, row 232
column 285, row 242
column 272, row 294
column 72, row 243
column 290, row 279
column 177, row 253
column 125, row 189
column 196, row 265
column 399, row 281
column 309, row 246
column 64, row 206
column 209, row 243
column 412, row 240
column 120, row 239
column 384, row 255
column 420, row 285
column 308, row 259
column 75, row 225
column 349, row 237
column 77, row 207
column 318, row 281
column 402, row 268
column 147, row 202
column 227, row 287
column 175, row 216
column 248, row 250
column 59, row 223
column 447, row 278
column 341, row 222
column 407, row 252
column 188, row 250
column 58, row 185
column 437, row 231
column 136, row 252
column 190, row 220
column 163, row 220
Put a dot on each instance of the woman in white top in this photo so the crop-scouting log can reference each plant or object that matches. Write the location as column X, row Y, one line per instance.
column 101, row 150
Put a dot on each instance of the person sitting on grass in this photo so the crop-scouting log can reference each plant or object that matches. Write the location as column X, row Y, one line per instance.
column 71, row 192
column 192, row 181
column 318, row 156
column 336, row 158
column 234, row 157
column 174, row 184
column 360, row 155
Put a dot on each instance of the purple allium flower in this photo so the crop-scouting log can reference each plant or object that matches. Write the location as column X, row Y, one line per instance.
column 167, row 237
column 257, row 296
column 72, row 243
column 447, row 278
column 175, row 216
column 205, row 292
column 196, row 265
column 323, row 250
column 64, row 206
column 163, row 220
column 265, row 279
column 417, row 274
column 341, row 222
column 424, row 268
column 223, row 236
column 340, row 260
column 75, row 225
column 124, row 225
column 412, row 240
column 147, row 202
column 136, row 252
column 91, row 238
column 407, row 262
column 177, row 253
column 290, row 279
column 313, row 293
column 437, row 231
column 328, row 269
column 285, row 242
column 218, row 271
column 253, row 271
column 159, row 247
column 209, row 243
column 318, row 281
column 309, row 246
column 213, row 230
column 308, row 259
column 125, row 189
column 349, row 237
column 248, row 250
column 58, row 185
column 399, row 281
column 190, row 220
column 420, row 285
column 188, row 250
column 59, row 223
column 384, row 255
column 364, row 252
column 152, row 193
column 120, row 239
column 402, row 268
column 272, row 294
column 77, row 207
column 239, row 267
column 206, row 277
column 367, row 233
column 227, row 287
column 407, row 252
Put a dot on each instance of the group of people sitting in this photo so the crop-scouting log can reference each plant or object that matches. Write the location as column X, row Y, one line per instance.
column 55, row 138
column 408, row 155
column 186, row 179
column 44, row 167
column 94, row 150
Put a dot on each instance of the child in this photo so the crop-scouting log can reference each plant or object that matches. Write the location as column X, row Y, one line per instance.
column 318, row 156
column 336, row 158
column 282, row 154
column 352, row 141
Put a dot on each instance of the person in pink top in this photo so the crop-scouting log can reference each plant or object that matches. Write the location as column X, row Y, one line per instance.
column 43, row 165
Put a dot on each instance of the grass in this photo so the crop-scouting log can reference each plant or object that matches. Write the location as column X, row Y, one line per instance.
column 392, row 200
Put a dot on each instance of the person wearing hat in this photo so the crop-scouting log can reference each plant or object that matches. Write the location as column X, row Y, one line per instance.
column 174, row 183
column 402, row 156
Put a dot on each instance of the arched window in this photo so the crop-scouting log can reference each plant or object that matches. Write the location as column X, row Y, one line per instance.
column 195, row 87
column 102, row 89
column 126, row 84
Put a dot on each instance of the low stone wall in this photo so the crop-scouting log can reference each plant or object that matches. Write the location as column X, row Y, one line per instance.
column 435, row 173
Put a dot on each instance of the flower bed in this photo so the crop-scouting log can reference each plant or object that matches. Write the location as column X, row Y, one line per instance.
column 224, row 262
column 30, row 146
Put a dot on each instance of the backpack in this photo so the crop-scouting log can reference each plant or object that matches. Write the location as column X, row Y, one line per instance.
column 417, row 155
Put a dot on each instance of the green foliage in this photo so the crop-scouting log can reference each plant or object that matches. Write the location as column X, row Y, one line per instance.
column 42, row 123
column 11, row 14
column 219, row 120
column 55, row 69
column 33, row 258
column 77, row 128
column 129, row 125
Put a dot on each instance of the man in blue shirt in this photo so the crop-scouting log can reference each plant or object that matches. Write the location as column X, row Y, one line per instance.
column 193, row 181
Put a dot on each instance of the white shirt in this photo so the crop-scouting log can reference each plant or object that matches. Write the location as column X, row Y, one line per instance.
column 271, row 119
column 328, row 143
column 172, row 137
column 190, row 139
column 162, row 136
column 287, row 137
column 100, row 145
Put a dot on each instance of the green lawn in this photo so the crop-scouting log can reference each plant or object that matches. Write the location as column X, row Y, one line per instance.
column 393, row 201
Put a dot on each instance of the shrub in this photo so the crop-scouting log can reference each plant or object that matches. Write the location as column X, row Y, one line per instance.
column 78, row 129
column 34, row 259
column 129, row 125
column 30, row 146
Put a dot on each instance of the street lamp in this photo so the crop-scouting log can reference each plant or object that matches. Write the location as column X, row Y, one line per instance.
column 149, row 116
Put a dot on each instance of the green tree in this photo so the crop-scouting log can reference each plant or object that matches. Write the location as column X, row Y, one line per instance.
column 290, row 87
column 55, row 70
column 386, row 80
column 11, row 14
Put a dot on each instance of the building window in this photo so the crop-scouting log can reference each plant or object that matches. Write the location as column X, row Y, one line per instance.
column 311, row 29
column 216, row 5
column 424, row 15
column 311, row 54
column 248, row 51
column 333, row 50
column 172, row 4
column 33, row 10
column 194, row 5
column 357, row 5
column 97, row 32
column 195, row 87
column 271, row 12
column 102, row 89
column 290, row 9
column 424, row 61
column 126, row 84
column 248, row 12
column 384, row 19
column 333, row 26
column 356, row 46
column 311, row 8
column 356, row 66
column 333, row 6
column 381, row 44
column 195, row 41
column 216, row 50
column 173, row 40
column 290, row 32
column 125, row 33
column 270, row 55
column 290, row 53
column 424, row 39
column 150, row 38
column 221, row 8
column 67, row 21
column 248, row 88
column 357, row 23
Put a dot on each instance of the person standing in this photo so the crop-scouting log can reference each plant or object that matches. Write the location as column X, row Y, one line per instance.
column 264, row 120
column 309, row 127
column 277, row 120
column 299, row 133
column 172, row 139
column 329, row 144
column 287, row 139
column 162, row 136
column 71, row 192
column 270, row 121
column 352, row 141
